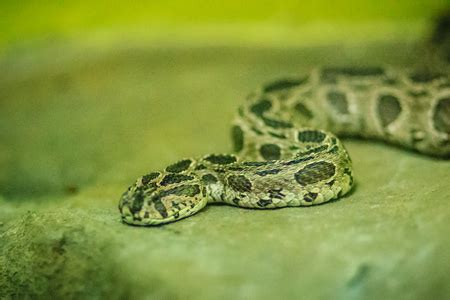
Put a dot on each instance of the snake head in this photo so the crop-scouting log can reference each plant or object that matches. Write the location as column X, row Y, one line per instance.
column 153, row 203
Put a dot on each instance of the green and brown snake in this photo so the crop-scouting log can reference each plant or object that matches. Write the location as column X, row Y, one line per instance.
column 286, row 148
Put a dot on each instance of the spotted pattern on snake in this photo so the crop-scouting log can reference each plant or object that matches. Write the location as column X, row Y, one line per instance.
column 286, row 148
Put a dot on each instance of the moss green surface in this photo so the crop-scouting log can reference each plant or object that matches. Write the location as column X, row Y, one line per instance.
column 79, row 124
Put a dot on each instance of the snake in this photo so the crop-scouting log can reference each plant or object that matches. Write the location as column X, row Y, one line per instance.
column 286, row 147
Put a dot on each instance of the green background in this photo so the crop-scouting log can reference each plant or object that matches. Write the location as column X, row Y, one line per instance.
column 94, row 94
column 236, row 21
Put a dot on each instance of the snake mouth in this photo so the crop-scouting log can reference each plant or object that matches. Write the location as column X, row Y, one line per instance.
column 142, row 219
column 137, row 220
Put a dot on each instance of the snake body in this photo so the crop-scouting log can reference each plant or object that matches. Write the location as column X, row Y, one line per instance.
column 285, row 153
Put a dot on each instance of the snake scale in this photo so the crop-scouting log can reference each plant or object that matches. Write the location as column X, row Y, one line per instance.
column 285, row 153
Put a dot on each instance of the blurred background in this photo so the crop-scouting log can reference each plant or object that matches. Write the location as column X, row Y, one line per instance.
column 286, row 22
column 94, row 94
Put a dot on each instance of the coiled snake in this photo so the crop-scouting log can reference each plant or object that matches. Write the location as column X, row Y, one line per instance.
column 286, row 154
